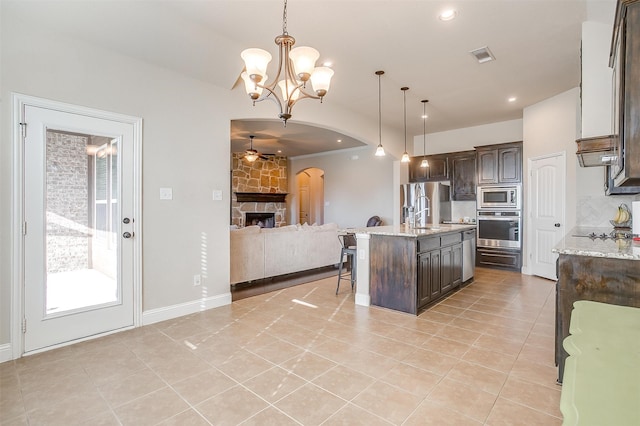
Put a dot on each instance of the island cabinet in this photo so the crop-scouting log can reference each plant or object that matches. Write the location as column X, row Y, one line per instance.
column 409, row 273
column 499, row 164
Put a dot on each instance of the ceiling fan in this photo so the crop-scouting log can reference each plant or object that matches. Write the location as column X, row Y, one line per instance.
column 252, row 155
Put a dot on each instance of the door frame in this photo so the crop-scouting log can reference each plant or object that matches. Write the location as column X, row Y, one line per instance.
column 17, row 212
column 530, row 241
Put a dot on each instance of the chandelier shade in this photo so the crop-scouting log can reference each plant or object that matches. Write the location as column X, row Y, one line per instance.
column 256, row 62
column 295, row 68
column 304, row 61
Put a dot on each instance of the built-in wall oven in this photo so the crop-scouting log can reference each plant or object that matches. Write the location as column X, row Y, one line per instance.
column 499, row 197
column 499, row 229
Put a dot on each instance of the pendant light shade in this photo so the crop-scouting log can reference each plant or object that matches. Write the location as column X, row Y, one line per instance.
column 379, row 150
column 424, row 162
column 405, row 155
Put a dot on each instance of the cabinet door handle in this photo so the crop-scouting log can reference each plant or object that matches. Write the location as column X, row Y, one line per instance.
column 557, row 225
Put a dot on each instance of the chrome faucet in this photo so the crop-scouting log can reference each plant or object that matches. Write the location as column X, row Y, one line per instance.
column 419, row 215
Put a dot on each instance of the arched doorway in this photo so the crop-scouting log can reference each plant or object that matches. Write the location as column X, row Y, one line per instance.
column 310, row 184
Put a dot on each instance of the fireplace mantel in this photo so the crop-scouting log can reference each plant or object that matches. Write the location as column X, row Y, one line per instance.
column 260, row 197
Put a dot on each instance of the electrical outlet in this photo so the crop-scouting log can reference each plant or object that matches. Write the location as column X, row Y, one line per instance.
column 166, row 193
column 197, row 280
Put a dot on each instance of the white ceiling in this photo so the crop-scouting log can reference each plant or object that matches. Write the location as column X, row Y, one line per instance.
column 536, row 44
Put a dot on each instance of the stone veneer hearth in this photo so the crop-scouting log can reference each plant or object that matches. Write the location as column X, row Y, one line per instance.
column 261, row 176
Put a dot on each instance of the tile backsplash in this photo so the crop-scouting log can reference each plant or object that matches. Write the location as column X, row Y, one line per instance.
column 598, row 210
column 462, row 209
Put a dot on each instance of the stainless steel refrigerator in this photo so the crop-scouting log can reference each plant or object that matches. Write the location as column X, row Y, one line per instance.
column 429, row 203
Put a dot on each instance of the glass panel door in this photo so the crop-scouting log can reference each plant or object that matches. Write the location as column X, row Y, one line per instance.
column 81, row 222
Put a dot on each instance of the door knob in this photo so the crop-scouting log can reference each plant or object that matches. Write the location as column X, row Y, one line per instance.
column 126, row 220
column 557, row 225
column 127, row 235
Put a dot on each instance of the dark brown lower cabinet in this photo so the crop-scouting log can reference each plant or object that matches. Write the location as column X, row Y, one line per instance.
column 440, row 270
column 498, row 258
column 407, row 274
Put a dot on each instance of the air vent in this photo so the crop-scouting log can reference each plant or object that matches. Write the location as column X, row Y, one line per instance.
column 483, row 54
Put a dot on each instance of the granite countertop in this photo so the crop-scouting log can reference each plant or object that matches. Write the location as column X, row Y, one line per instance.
column 585, row 246
column 405, row 231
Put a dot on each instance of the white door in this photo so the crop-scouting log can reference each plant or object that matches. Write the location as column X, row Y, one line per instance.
column 79, row 231
column 547, row 212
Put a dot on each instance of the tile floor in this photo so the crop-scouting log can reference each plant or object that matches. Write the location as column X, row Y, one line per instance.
column 482, row 356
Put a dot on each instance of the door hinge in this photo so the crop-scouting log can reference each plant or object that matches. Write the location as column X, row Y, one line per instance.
column 23, row 129
column 24, row 325
column 24, row 228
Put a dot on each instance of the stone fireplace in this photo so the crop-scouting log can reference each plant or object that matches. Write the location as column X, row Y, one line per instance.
column 258, row 188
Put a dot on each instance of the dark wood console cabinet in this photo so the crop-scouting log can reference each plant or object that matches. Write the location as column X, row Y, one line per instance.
column 599, row 279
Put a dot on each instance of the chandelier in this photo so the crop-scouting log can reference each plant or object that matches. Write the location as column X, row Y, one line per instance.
column 296, row 67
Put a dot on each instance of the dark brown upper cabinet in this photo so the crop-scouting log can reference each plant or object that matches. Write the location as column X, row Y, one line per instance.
column 438, row 169
column 499, row 164
column 463, row 176
column 625, row 60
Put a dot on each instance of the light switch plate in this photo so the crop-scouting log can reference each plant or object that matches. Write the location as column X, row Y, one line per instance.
column 166, row 194
column 217, row 195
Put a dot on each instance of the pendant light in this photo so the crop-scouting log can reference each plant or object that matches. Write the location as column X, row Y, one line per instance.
column 380, row 150
column 424, row 162
column 405, row 155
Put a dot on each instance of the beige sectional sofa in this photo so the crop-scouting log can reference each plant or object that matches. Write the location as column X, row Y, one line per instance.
column 258, row 253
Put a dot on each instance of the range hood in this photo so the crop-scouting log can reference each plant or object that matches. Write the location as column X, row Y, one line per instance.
column 597, row 151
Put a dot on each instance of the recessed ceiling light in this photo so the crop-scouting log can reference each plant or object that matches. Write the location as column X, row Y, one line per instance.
column 327, row 64
column 339, row 140
column 512, row 99
column 424, row 116
column 279, row 151
column 448, row 15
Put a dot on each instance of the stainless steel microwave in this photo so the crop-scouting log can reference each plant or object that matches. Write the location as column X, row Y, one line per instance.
column 499, row 197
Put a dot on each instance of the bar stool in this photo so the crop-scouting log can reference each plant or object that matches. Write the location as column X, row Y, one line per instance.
column 349, row 249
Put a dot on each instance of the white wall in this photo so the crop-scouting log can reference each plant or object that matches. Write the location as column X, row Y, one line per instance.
column 552, row 126
column 466, row 138
column 357, row 185
column 185, row 147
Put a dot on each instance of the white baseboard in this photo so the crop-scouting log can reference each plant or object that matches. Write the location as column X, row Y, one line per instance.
column 363, row 299
column 162, row 314
column 5, row 352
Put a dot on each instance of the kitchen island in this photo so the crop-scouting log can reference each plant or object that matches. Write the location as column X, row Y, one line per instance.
column 596, row 268
column 411, row 268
